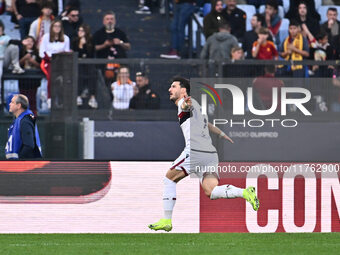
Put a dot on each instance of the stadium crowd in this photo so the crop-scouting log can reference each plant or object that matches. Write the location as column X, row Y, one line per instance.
column 233, row 30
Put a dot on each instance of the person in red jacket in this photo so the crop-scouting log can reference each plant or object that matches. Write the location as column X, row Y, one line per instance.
column 264, row 85
column 262, row 48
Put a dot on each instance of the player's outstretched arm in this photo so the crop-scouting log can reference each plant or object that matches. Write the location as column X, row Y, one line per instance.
column 219, row 132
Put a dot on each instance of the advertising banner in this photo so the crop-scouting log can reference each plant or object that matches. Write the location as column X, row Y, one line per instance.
column 124, row 197
column 141, row 140
column 294, row 197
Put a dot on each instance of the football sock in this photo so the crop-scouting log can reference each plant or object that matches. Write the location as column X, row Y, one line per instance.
column 169, row 197
column 226, row 191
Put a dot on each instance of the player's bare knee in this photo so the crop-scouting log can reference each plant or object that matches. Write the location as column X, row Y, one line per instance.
column 175, row 175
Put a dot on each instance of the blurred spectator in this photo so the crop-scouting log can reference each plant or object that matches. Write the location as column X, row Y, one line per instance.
column 55, row 4
column 257, row 21
column 309, row 25
column 264, row 85
column 144, row 7
column 145, row 98
column 237, row 53
column 332, row 25
column 322, row 51
column 262, row 48
column 26, row 11
column 234, row 70
column 182, row 12
column 273, row 20
column 67, row 4
column 122, row 89
column 42, row 24
column 212, row 20
column 236, row 18
column 71, row 23
column 84, row 46
column 293, row 10
column 30, row 61
column 258, row 3
column 295, row 47
column 53, row 42
column 83, row 43
column 110, row 42
column 335, row 106
column 218, row 46
column 9, row 53
column 2, row 6
column 336, row 45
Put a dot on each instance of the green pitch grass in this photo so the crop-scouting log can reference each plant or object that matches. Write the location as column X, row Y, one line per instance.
column 235, row 243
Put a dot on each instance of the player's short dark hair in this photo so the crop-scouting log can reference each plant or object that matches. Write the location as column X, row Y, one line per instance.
column 184, row 83
column 273, row 3
column 294, row 22
column 260, row 18
column 23, row 100
column 333, row 9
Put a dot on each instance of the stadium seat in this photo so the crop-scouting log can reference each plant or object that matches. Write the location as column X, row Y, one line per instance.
column 262, row 9
column 206, row 8
column 286, row 5
column 250, row 11
column 283, row 32
column 9, row 27
column 323, row 12
column 194, row 29
column 317, row 4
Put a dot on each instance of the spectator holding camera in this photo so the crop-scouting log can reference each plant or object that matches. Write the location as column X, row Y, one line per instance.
column 110, row 42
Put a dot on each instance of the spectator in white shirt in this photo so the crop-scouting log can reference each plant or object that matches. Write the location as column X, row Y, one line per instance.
column 55, row 41
column 122, row 89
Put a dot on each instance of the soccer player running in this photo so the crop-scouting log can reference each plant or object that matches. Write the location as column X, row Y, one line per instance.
column 198, row 154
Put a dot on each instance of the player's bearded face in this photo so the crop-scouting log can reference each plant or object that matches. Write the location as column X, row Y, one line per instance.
column 175, row 91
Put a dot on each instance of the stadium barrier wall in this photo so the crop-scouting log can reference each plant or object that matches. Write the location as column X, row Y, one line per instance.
column 124, row 197
column 142, row 140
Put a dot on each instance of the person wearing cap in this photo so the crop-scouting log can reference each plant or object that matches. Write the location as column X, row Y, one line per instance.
column 144, row 97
